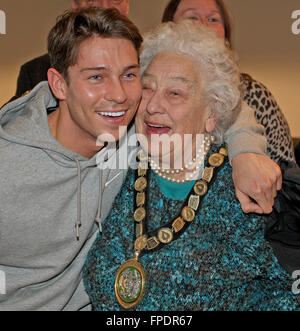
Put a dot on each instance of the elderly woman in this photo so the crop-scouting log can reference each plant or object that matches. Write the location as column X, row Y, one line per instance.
column 176, row 238
column 214, row 14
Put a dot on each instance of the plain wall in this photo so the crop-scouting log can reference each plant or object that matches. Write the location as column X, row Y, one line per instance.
column 268, row 49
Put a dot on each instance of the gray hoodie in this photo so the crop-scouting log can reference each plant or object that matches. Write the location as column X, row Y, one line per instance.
column 45, row 191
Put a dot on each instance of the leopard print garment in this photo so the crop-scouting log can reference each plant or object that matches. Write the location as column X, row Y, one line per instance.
column 268, row 114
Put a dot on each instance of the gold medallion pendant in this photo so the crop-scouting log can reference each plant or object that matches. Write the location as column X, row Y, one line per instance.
column 130, row 284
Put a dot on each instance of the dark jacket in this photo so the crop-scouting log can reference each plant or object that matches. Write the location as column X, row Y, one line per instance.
column 283, row 230
column 32, row 73
column 297, row 154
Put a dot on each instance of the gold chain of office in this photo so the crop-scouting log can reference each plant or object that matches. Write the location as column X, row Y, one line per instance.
column 130, row 282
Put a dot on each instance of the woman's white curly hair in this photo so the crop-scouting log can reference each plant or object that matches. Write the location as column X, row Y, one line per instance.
column 221, row 86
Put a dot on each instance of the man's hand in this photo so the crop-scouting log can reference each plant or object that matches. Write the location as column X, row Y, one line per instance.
column 258, row 177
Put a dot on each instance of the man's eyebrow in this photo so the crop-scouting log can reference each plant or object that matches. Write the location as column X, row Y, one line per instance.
column 93, row 69
column 132, row 66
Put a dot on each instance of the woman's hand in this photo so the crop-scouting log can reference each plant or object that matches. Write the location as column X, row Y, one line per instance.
column 258, row 177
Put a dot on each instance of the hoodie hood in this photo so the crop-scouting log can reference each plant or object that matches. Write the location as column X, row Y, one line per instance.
column 25, row 121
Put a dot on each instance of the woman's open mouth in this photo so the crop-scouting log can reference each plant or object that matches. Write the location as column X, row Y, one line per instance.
column 156, row 128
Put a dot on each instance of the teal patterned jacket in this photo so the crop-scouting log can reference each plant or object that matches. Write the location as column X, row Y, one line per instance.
column 221, row 262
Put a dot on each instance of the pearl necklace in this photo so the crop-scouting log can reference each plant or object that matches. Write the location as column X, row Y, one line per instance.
column 198, row 161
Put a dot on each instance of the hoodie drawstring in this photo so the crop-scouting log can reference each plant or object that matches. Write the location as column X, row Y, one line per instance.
column 78, row 222
column 98, row 218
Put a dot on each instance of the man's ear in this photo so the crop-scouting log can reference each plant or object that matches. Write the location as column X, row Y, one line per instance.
column 57, row 84
column 74, row 4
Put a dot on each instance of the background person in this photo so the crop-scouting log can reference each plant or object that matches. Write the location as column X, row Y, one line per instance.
column 172, row 242
column 214, row 14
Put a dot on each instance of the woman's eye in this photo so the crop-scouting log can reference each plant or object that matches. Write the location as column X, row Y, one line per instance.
column 174, row 94
column 146, row 87
column 213, row 20
column 147, row 91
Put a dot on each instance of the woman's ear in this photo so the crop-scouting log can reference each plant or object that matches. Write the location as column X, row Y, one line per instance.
column 57, row 84
column 210, row 123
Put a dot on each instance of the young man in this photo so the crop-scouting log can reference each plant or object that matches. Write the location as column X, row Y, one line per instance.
column 51, row 186
column 35, row 70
